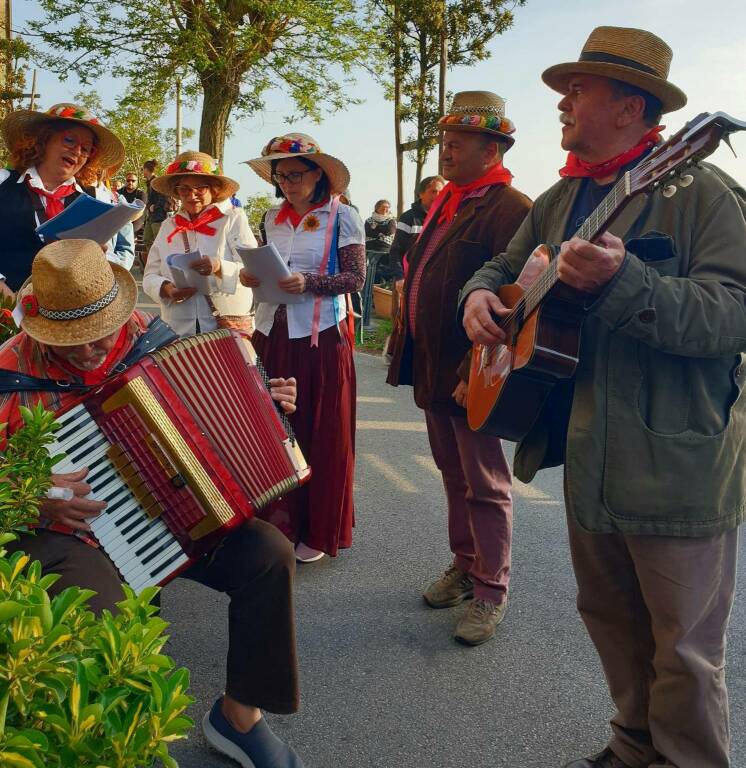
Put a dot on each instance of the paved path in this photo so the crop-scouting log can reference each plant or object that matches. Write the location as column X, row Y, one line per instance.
column 383, row 683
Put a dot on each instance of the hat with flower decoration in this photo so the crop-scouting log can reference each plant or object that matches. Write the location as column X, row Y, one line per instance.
column 75, row 295
column 478, row 112
column 192, row 163
column 301, row 145
column 26, row 122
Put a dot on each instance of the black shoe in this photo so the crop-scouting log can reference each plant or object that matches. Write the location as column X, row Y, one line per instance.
column 605, row 759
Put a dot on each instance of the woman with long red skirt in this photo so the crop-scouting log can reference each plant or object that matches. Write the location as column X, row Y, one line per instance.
column 323, row 243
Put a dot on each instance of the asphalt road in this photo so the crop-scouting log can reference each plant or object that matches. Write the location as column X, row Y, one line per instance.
column 383, row 683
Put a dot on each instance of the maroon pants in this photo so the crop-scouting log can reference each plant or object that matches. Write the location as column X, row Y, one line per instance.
column 321, row 513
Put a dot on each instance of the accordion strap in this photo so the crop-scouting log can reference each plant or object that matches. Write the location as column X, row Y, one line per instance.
column 157, row 335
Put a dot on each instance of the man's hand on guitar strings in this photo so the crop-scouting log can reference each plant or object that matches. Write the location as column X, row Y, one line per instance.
column 284, row 392
column 589, row 266
column 479, row 317
column 76, row 511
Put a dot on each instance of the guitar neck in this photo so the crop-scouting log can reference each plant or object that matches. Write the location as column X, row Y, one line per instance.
column 596, row 223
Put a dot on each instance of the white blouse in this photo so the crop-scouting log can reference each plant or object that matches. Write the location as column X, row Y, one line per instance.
column 303, row 250
column 228, row 296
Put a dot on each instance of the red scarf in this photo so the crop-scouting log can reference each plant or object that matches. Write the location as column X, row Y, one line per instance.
column 576, row 168
column 201, row 224
column 449, row 198
column 288, row 213
column 55, row 199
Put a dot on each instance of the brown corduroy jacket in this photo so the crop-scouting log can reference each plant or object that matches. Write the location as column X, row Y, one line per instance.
column 434, row 362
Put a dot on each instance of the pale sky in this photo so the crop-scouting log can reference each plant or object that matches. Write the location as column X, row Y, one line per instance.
column 709, row 65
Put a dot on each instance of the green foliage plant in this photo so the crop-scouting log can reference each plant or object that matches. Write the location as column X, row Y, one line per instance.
column 76, row 690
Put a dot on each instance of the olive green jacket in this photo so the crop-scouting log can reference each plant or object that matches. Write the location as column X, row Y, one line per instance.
column 656, row 442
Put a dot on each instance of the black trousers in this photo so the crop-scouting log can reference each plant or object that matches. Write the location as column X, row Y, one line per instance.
column 254, row 566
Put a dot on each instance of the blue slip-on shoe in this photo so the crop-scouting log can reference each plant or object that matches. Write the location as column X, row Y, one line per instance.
column 259, row 748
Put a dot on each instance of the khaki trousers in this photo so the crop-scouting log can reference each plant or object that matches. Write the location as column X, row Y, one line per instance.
column 657, row 610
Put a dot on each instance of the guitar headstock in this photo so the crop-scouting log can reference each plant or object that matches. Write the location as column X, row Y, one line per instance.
column 699, row 138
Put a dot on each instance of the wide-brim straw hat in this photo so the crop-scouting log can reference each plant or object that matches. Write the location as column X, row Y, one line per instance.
column 191, row 163
column 75, row 295
column 631, row 55
column 301, row 145
column 479, row 112
column 109, row 149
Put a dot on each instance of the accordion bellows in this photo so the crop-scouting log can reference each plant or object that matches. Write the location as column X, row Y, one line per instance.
column 183, row 446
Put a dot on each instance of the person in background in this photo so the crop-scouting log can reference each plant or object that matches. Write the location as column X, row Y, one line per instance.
column 209, row 225
column 48, row 152
column 130, row 191
column 157, row 205
column 380, row 228
column 121, row 248
column 322, row 241
column 409, row 226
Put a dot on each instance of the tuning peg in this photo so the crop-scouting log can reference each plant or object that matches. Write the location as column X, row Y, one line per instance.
column 670, row 190
column 686, row 180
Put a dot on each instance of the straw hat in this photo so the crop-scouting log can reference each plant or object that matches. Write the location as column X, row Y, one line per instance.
column 478, row 112
column 109, row 149
column 301, row 145
column 631, row 55
column 192, row 163
column 75, row 295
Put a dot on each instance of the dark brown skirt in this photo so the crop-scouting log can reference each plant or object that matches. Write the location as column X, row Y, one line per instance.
column 321, row 514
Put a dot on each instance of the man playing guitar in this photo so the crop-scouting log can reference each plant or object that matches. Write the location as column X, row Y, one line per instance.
column 651, row 427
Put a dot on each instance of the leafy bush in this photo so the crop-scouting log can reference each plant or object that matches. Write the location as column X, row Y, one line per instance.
column 75, row 689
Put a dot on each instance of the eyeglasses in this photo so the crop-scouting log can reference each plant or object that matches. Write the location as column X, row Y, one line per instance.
column 290, row 178
column 184, row 190
column 70, row 141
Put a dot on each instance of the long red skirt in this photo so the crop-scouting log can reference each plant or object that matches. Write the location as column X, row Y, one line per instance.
column 321, row 514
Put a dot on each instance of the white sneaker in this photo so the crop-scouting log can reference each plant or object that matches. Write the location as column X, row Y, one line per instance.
column 305, row 554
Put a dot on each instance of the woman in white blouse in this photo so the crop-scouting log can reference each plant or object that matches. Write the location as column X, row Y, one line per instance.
column 323, row 243
column 210, row 227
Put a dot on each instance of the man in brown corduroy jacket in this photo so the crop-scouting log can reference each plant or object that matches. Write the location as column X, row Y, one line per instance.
column 472, row 220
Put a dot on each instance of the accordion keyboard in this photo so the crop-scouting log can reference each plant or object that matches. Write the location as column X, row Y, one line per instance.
column 142, row 548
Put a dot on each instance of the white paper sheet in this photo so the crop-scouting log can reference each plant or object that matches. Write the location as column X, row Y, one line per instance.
column 185, row 277
column 266, row 264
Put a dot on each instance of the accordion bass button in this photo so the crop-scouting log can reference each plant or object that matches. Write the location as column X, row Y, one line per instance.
column 178, row 480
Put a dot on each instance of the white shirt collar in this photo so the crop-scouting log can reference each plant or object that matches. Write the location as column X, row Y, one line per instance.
column 35, row 180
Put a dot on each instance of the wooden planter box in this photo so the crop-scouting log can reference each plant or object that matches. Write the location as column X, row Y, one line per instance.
column 382, row 302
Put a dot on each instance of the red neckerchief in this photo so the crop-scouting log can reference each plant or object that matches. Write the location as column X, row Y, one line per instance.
column 201, row 224
column 288, row 213
column 575, row 168
column 449, row 198
column 55, row 199
column 96, row 376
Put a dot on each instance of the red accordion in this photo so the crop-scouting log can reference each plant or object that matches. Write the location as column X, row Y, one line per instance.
column 183, row 446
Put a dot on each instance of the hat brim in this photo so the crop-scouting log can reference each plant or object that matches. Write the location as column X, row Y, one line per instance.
column 336, row 171
column 110, row 150
column 504, row 137
column 165, row 184
column 70, row 333
column 671, row 97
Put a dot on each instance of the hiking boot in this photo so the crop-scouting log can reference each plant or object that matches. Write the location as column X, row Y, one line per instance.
column 604, row 759
column 452, row 588
column 479, row 621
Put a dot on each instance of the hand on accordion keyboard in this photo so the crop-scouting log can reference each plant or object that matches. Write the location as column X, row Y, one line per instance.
column 76, row 511
column 284, row 392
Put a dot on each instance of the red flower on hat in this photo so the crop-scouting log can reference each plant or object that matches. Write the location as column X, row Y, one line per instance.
column 30, row 305
column 6, row 317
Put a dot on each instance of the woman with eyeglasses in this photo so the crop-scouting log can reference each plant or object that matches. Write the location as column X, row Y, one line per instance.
column 323, row 243
column 207, row 226
column 48, row 151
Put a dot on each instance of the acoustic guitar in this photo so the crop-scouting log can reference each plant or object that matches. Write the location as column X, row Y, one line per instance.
column 508, row 383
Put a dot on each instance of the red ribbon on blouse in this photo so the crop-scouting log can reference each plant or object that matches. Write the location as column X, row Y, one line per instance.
column 287, row 212
column 201, row 224
column 576, row 168
column 55, row 199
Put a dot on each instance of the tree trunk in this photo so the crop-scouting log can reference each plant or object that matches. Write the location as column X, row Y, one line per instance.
column 422, row 95
column 220, row 94
column 442, row 78
column 397, row 114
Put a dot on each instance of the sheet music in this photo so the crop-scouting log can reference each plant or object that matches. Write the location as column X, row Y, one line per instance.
column 267, row 265
column 185, row 277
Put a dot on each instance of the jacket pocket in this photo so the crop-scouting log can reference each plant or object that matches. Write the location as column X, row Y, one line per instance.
column 656, row 250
